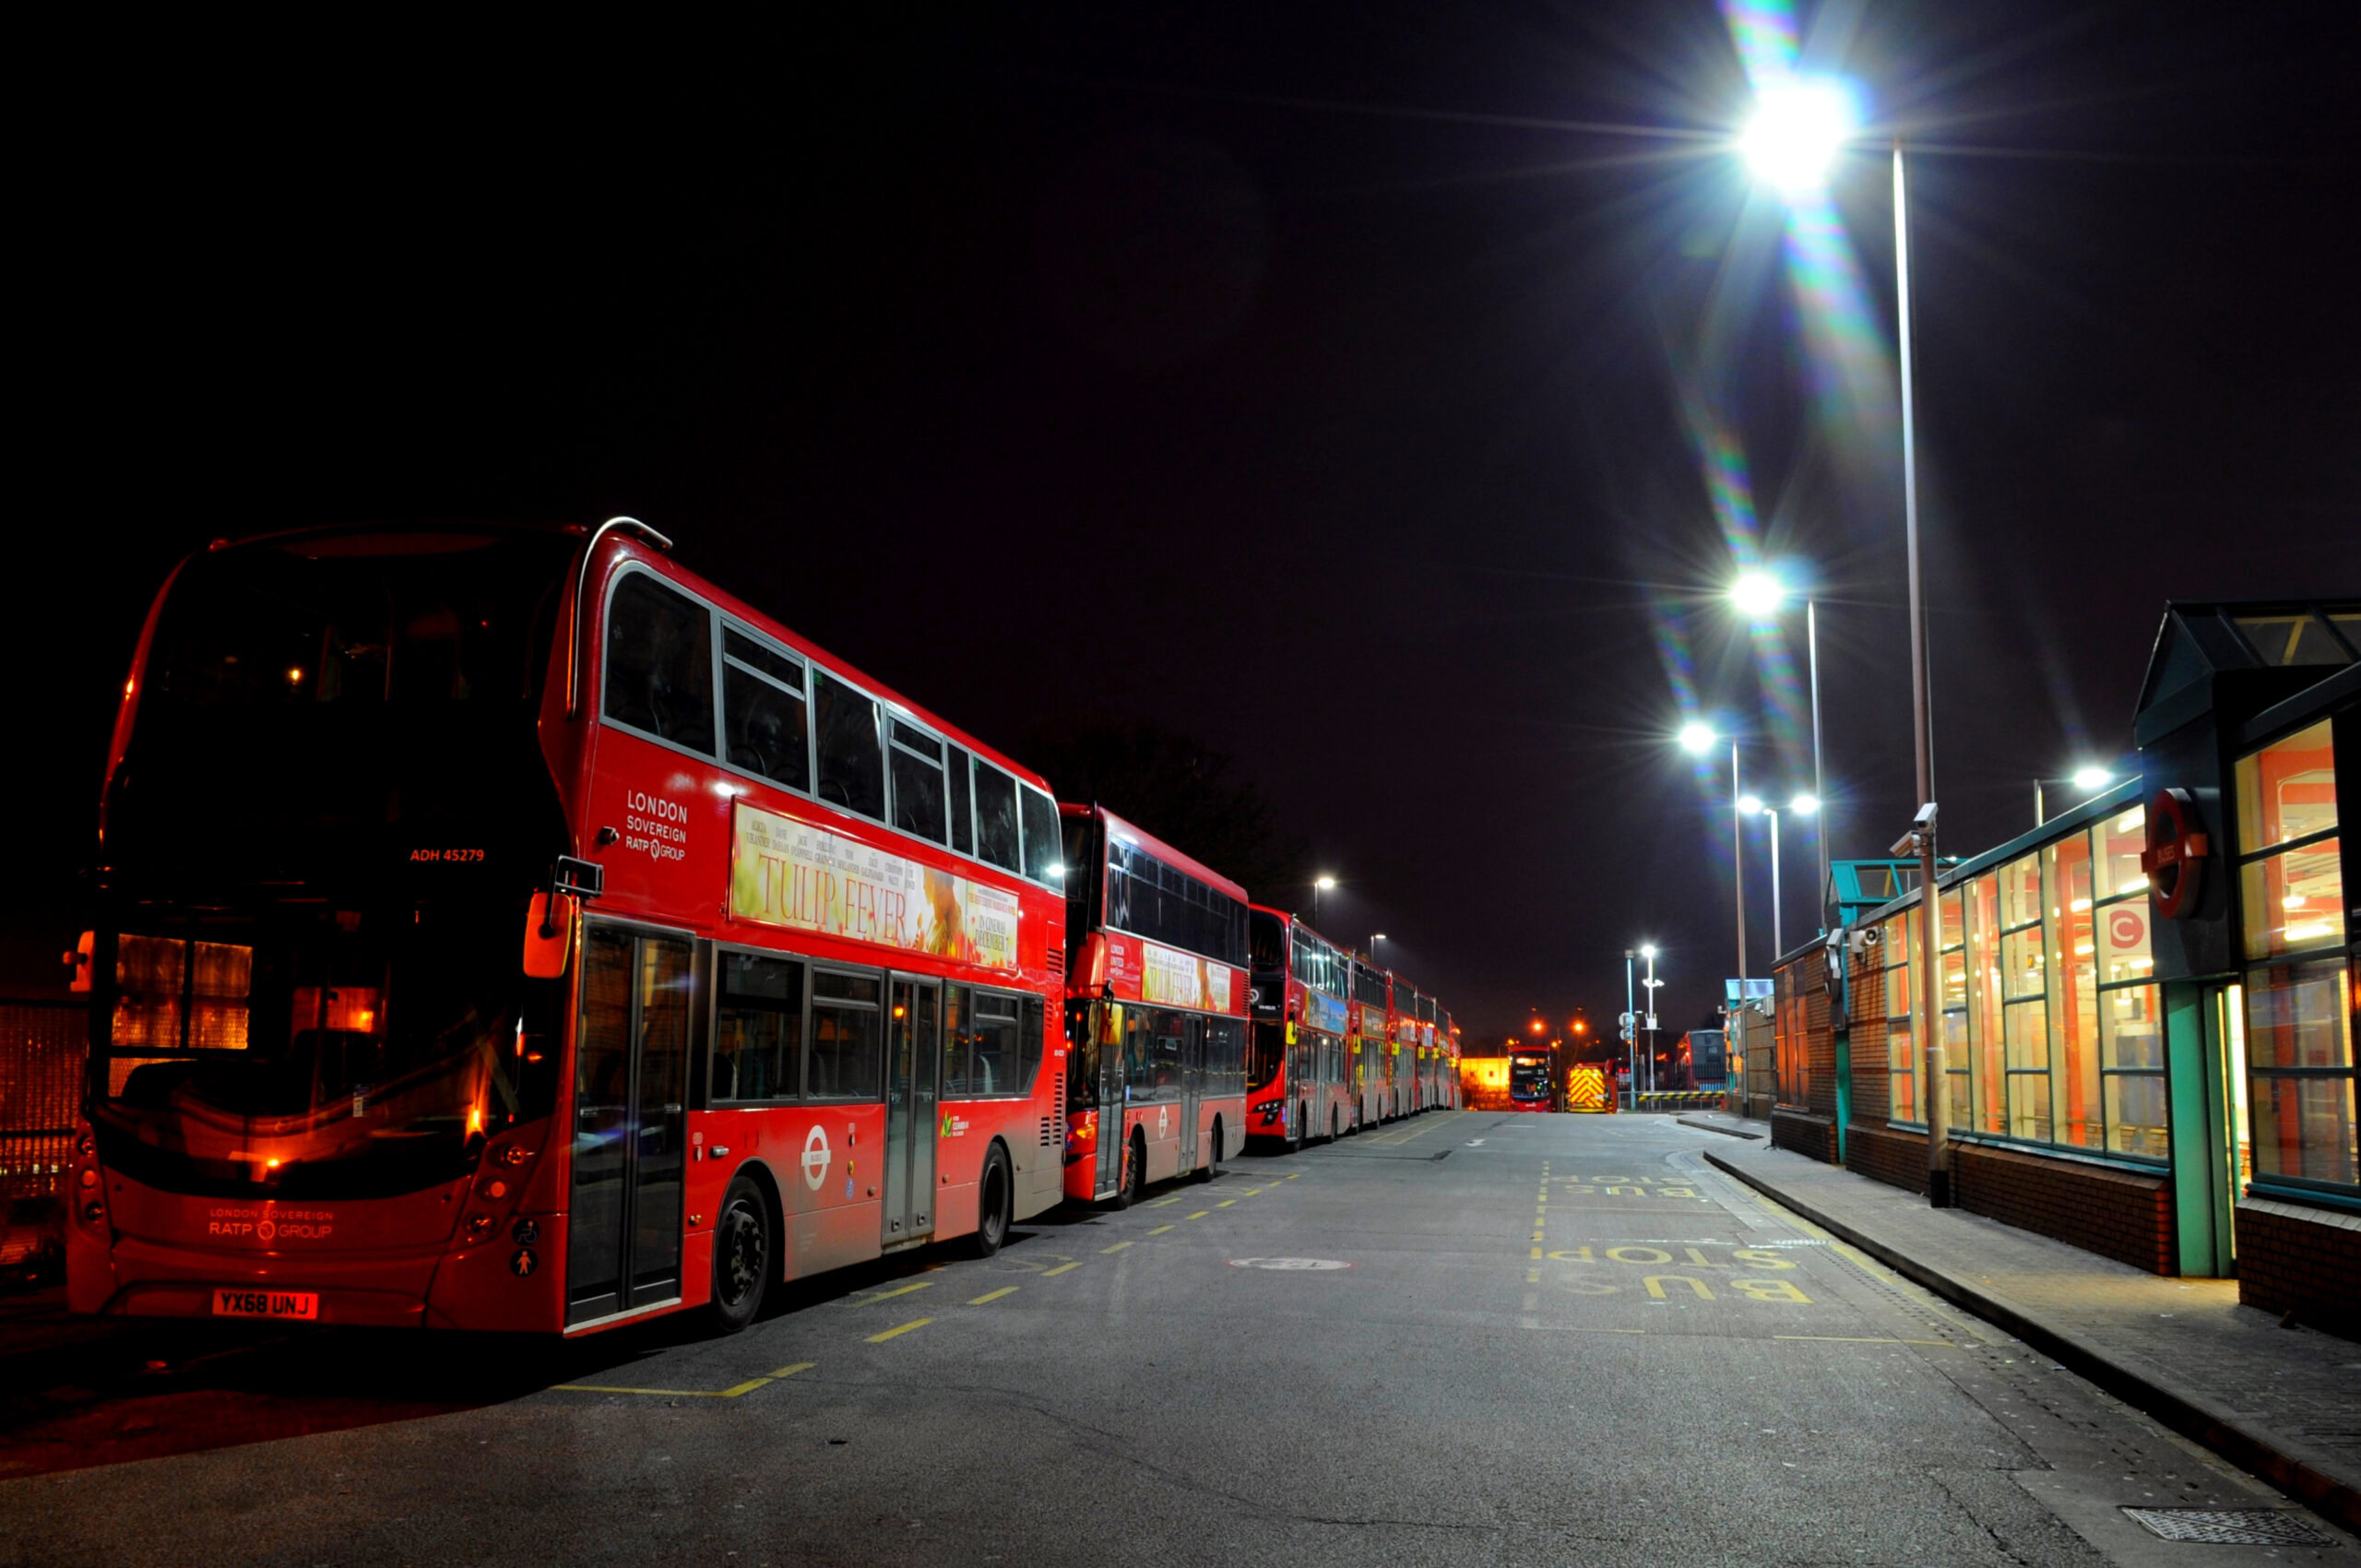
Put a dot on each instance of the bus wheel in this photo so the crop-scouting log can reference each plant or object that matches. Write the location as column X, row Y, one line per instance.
column 741, row 1256
column 995, row 1206
column 1135, row 1170
column 1331, row 1124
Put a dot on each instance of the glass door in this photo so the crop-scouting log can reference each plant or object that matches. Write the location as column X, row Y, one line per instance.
column 1114, row 1095
column 1192, row 1088
column 629, row 1155
column 913, row 1065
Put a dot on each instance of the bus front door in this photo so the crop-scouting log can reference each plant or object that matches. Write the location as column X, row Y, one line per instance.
column 1192, row 1089
column 913, row 1060
column 1113, row 1110
column 630, row 1074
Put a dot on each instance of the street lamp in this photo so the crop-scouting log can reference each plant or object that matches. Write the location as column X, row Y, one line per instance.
column 1758, row 595
column 1800, row 124
column 2089, row 779
column 1752, row 805
column 1319, row 884
column 1697, row 739
column 1649, row 953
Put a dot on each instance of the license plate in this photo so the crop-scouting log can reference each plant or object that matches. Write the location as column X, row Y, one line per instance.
column 294, row 1305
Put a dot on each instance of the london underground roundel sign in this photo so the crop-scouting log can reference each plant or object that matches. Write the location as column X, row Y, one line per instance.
column 2175, row 858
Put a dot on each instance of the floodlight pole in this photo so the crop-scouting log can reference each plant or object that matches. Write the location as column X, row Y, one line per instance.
column 1630, row 1033
column 1938, row 1091
column 1738, row 868
column 1819, row 783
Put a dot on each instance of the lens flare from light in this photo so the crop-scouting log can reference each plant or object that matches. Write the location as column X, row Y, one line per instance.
column 2093, row 778
column 1758, row 594
column 1804, row 804
column 1696, row 738
column 1749, row 804
column 1799, row 124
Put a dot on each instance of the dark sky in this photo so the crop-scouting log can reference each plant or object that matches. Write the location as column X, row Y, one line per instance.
column 1301, row 377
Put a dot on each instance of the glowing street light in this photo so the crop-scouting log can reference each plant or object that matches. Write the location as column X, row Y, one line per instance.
column 2090, row 779
column 1806, row 804
column 1758, row 594
column 1320, row 885
column 1799, row 125
column 1697, row 739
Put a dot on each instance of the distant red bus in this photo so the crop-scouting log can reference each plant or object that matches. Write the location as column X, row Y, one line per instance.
column 1299, row 1074
column 1154, row 1012
column 1447, row 1041
column 505, row 928
column 1532, row 1082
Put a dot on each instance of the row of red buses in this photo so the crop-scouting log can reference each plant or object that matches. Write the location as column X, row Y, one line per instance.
column 1338, row 1044
column 503, row 928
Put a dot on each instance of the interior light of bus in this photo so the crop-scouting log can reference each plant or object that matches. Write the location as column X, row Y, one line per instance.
column 475, row 1123
column 295, row 676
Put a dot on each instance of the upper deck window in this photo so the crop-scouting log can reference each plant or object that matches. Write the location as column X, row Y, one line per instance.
column 1042, row 860
column 763, row 711
column 918, row 782
column 996, row 839
column 660, row 663
column 853, row 751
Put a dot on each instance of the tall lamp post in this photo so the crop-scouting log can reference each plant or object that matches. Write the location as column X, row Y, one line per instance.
column 1649, row 953
column 1799, row 125
column 1802, row 805
column 1319, row 884
column 1758, row 595
column 1630, row 1030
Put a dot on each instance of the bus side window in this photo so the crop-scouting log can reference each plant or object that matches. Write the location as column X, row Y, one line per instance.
column 1028, row 1043
column 843, row 1062
column 995, row 815
column 660, row 663
column 761, row 702
column 852, row 751
column 758, row 1027
column 963, row 836
column 916, row 760
column 958, row 1012
column 995, row 1044
column 1042, row 841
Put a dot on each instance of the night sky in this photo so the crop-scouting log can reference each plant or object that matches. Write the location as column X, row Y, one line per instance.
column 1342, row 385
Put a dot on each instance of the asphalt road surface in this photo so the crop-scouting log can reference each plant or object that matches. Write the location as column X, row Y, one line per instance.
column 1466, row 1339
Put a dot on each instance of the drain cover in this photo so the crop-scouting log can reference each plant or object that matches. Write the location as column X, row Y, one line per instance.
column 2230, row 1527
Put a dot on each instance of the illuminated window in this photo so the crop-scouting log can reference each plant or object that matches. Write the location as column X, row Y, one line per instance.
column 2299, row 1003
column 1904, row 1071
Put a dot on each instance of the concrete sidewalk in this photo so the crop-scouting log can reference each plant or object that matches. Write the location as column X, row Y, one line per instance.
column 2282, row 1403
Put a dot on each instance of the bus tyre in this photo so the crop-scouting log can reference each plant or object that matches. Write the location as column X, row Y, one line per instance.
column 1212, row 1155
column 741, row 1256
column 1135, row 1170
column 1331, row 1124
column 995, row 1204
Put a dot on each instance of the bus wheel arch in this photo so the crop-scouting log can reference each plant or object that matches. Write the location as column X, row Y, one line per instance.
column 996, row 1201
column 746, row 1247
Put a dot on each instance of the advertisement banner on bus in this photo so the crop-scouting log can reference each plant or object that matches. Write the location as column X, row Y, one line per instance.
column 787, row 873
column 1323, row 1012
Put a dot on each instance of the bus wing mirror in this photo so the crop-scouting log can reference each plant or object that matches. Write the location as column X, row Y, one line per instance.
column 549, row 934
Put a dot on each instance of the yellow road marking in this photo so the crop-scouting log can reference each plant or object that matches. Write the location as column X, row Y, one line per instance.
column 1162, row 1229
column 1293, row 1174
column 1201, row 1213
column 1250, row 1191
column 747, row 1387
column 1225, row 1203
column 1161, row 1202
column 1855, row 1339
column 1116, row 1248
column 900, row 1328
column 1054, row 1272
column 1537, row 1252
column 887, row 1295
column 993, row 1295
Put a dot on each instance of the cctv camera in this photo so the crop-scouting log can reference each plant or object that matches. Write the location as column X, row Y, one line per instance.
column 1924, row 820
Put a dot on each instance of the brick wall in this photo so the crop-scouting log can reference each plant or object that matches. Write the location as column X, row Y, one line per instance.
column 2302, row 1261
column 1805, row 1134
column 1897, row 1159
column 2117, row 1214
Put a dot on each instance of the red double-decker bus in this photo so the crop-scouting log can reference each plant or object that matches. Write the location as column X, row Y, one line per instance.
column 502, row 928
column 1372, row 1044
column 1301, row 1078
column 1447, row 1043
column 1156, row 1011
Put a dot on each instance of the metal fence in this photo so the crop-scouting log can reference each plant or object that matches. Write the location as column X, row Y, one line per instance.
column 42, row 1046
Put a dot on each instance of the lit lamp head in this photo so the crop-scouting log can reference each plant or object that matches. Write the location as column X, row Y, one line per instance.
column 1758, row 595
column 1324, row 884
column 1804, row 804
column 1750, row 804
column 2093, row 778
column 1799, row 124
column 1648, row 950
column 1696, row 739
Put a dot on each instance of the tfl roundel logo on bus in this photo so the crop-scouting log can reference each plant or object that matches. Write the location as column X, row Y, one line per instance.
column 816, row 1155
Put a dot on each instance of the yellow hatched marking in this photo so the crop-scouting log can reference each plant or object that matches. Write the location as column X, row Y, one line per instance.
column 1054, row 1272
column 888, row 1295
column 899, row 1328
column 993, row 1295
column 1162, row 1229
column 1116, row 1248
